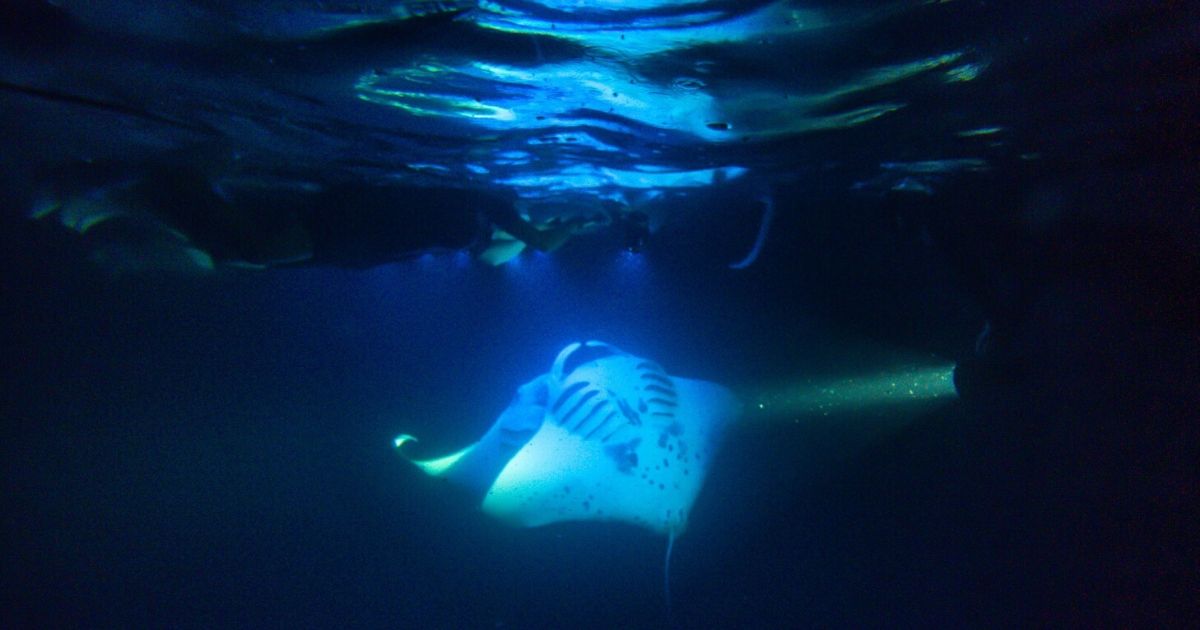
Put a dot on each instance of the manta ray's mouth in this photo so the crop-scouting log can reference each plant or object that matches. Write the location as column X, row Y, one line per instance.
column 581, row 354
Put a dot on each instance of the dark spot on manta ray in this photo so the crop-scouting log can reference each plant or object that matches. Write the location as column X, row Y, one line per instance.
column 666, row 464
column 642, row 406
column 586, row 506
column 566, row 488
column 662, row 440
column 662, row 486
column 624, row 455
column 675, row 429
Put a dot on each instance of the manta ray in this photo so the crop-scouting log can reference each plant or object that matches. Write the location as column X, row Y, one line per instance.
column 603, row 436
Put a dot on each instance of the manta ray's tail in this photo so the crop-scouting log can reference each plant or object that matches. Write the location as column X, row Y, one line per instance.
column 667, row 578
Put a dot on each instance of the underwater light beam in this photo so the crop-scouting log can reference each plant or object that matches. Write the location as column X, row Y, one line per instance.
column 898, row 387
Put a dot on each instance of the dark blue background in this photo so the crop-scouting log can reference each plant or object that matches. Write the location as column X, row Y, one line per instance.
column 216, row 451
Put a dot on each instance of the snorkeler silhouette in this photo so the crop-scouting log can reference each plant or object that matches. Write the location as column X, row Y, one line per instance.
column 257, row 224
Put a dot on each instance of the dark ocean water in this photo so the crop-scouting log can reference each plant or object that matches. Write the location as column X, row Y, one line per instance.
column 214, row 448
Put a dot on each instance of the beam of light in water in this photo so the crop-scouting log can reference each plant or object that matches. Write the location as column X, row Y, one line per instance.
column 533, row 273
column 825, row 396
column 629, row 275
column 631, row 262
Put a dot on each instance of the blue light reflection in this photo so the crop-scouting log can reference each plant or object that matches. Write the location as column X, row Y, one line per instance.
column 612, row 98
